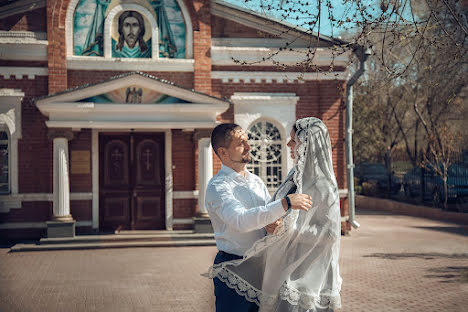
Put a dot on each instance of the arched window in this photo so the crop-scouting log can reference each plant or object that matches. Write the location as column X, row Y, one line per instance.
column 4, row 163
column 266, row 149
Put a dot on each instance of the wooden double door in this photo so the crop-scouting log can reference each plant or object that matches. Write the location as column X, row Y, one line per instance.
column 131, row 181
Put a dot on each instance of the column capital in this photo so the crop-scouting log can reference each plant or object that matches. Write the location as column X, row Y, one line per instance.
column 201, row 133
column 55, row 133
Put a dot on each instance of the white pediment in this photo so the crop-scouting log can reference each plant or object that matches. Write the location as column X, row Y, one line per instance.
column 131, row 101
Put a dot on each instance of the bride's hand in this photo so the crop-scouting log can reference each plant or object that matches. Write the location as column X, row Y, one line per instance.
column 270, row 228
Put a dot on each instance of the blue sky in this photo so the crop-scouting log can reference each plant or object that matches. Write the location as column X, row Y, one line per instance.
column 339, row 11
column 342, row 10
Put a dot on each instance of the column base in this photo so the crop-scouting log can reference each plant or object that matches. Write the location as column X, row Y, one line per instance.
column 57, row 229
column 202, row 225
column 67, row 218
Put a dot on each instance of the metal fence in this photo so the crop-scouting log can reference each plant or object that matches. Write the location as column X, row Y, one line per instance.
column 416, row 184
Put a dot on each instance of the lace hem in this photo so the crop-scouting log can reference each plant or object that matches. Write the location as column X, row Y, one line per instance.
column 287, row 293
column 307, row 301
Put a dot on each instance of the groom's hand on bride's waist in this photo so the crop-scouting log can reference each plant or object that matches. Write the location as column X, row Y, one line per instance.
column 297, row 201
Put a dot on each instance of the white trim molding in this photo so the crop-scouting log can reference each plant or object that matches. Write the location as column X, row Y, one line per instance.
column 186, row 194
column 23, row 46
column 133, row 79
column 14, row 201
column 183, row 221
column 343, row 193
column 267, row 56
column 197, row 110
column 278, row 77
column 10, row 117
column 18, row 72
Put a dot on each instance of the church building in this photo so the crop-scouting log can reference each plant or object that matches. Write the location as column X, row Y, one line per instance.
column 106, row 108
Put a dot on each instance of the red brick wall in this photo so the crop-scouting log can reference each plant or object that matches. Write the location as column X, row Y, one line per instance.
column 78, row 78
column 30, row 212
column 81, row 142
column 56, row 50
column 202, row 47
column 183, row 162
column 345, row 226
column 81, row 210
column 184, row 208
column 223, row 28
column 34, row 149
column 34, row 20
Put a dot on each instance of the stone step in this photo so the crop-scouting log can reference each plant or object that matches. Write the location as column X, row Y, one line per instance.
column 128, row 237
column 111, row 244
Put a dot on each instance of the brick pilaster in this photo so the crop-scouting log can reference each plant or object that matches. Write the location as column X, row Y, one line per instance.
column 202, row 47
column 56, row 50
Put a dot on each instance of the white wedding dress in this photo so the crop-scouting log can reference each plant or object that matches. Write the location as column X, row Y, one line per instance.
column 296, row 268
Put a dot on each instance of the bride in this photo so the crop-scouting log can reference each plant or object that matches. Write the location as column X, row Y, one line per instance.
column 295, row 267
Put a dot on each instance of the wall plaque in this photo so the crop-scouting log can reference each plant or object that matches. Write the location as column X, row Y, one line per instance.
column 80, row 162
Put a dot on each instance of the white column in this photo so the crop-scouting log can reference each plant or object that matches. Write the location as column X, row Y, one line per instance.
column 205, row 172
column 61, row 181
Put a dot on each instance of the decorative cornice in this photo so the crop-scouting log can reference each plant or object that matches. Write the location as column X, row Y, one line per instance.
column 128, row 79
column 267, row 56
column 240, row 98
column 127, row 125
column 279, row 77
column 57, row 133
column 23, row 36
column 19, row 72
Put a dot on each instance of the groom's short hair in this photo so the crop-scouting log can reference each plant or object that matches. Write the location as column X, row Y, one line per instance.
column 221, row 136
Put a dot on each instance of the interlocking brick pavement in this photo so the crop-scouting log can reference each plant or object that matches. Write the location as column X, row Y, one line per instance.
column 391, row 263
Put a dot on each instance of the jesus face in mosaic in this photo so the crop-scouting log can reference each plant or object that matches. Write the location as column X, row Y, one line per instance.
column 131, row 31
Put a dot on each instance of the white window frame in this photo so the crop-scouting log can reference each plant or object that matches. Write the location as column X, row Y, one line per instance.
column 4, row 128
column 283, row 142
column 10, row 120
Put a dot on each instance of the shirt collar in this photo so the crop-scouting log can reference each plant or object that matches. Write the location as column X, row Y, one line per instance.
column 233, row 174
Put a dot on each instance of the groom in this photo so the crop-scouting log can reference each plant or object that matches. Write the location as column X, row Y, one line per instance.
column 237, row 202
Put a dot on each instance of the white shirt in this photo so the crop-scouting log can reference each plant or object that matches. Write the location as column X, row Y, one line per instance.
column 238, row 209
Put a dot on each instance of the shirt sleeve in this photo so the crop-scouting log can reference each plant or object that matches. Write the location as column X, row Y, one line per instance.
column 221, row 201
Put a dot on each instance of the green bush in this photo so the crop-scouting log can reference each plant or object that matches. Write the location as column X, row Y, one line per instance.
column 370, row 189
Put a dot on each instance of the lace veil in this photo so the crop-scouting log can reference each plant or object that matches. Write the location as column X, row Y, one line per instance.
column 296, row 268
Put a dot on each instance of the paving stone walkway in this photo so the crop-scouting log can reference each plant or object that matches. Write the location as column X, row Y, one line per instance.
column 391, row 263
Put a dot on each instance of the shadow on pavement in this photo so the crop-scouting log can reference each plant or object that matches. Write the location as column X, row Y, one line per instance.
column 365, row 212
column 450, row 274
column 425, row 256
column 454, row 229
